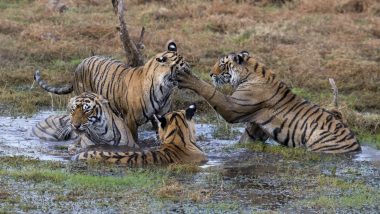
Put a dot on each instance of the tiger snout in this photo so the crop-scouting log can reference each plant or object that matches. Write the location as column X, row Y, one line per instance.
column 78, row 127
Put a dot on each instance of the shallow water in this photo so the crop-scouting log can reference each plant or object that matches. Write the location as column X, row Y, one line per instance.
column 16, row 139
column 255, row 181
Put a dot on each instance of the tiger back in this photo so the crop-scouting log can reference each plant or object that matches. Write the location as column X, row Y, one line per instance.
column 135, row 93
column 177, row 136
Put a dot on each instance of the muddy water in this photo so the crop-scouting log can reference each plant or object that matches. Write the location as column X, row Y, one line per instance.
column 16, row 139
column 254, row 181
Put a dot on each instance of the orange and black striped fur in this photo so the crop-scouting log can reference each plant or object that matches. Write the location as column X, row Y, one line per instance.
column 55, row 128
column 91, row 120
column 263, row 101
column 134, row 93
column 177, row 135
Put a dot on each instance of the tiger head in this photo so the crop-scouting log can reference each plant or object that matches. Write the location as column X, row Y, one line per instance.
column 167, row 64
column 177, row 124
column 230, row 69
column 85, row 110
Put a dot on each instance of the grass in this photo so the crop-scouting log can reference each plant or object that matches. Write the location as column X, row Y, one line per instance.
column 287, row 152
column 135, row 179
column 305, row 44
column 354, row 194
column 225, row 131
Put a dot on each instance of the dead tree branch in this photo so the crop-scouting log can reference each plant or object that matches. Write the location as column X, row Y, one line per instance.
column 335, row 92
column 132, row 51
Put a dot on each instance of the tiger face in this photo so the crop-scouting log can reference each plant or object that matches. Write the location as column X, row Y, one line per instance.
column 168, row 64
column 177, row 123
column 229, row 69
column 85, row 110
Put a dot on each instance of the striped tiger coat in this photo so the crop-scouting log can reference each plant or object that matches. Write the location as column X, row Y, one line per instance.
column 177, row 135
column 91, row 120
column 135, row 94
column 261, row 99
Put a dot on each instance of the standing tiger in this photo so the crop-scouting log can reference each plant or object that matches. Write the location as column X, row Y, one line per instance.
column 270, row 106
column 134, row 93
column 92, row 121
column 177, row 135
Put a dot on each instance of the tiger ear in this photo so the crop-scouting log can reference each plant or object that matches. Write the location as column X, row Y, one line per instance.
column 242, row 56
column 160, row 120
column 234, row 57
column 172, row 46
column 244, row 53
column 190, row 111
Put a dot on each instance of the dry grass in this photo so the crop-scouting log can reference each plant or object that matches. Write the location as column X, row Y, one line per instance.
column 177, row 192
column 304, row 42
column 172, row 191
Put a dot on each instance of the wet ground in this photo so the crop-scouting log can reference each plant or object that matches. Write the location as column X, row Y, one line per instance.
column 240, row 179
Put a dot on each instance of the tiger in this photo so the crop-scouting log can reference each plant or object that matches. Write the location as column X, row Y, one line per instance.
column 54, row 128
column 93, row 123
column 177, row 136
column 269, row 106
column 134, row 93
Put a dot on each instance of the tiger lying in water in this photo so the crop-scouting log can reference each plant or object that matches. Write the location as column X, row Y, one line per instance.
column 270, row 107
column 135, row 93
column 177, row 135
column 92, row 120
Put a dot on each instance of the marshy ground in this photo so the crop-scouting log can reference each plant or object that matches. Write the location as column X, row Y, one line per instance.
column 238, row 178
column 304, row 42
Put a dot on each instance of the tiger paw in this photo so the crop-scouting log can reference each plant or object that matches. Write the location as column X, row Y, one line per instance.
column 187, row 80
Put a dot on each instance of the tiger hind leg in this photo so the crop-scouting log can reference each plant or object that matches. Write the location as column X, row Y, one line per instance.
column 253, row 133
column 342, row 141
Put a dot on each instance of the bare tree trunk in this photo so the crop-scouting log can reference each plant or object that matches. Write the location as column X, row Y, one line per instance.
column 335, row 92
column 132, row 51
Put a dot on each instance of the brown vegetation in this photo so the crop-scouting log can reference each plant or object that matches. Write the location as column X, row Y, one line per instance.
column 304, row 42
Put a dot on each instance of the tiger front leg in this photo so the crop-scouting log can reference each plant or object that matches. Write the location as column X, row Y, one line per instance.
column 222, row 103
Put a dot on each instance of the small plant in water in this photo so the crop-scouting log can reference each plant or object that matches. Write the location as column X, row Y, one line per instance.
column 225, row 131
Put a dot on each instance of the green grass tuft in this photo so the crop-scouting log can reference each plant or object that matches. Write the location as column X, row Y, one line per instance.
column 286, row 152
